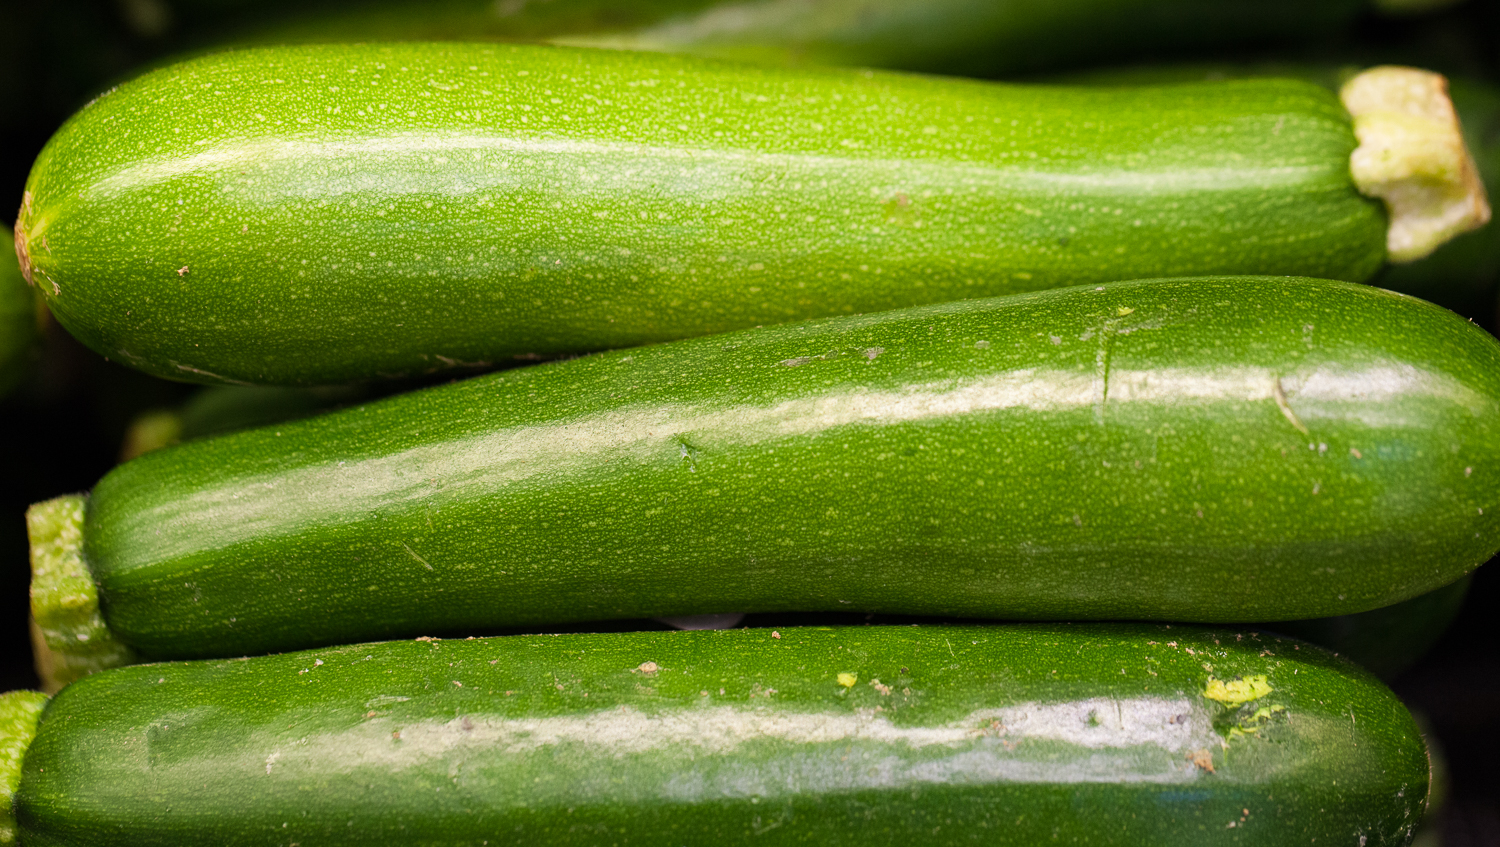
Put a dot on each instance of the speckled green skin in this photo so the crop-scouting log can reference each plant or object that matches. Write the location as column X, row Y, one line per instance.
column 321, row 214
column 18, row 307
column 1098, row 452
column 1468, row 264
column 1016, row 735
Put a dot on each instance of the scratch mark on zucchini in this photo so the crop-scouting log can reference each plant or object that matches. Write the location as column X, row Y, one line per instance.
column 1279, row 395
column 414, row 555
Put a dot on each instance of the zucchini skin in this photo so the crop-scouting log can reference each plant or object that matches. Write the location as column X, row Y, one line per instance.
column 1457, row 271
column 1105, row 452
column 225, row 408
column 208, row 223
column 1013, row 735
column 938, row 36
column 1389, row 640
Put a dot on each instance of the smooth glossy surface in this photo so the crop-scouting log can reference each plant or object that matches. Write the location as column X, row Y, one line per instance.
column 1231, row 449
column 1102, row 735
column 330, row 213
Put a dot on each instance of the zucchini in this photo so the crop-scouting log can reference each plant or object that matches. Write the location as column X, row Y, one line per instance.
column 226, row 408
column 1210, row 449
column 19, row 317
column 1388, row 640
column 332, row 213
column 1023, row 735
column 943, row 36
column 1456, row 272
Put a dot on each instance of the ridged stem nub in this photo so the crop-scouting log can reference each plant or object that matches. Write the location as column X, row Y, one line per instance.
column 19, row 713
column 69, row 635
column 1411, row 154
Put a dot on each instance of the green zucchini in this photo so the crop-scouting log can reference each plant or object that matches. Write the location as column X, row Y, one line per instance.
column 1020, row 735
column 1455, row 272
column 1388, row 640
column 18, row 319
column 945, row 36
column 226, row 408
column 332, row 213
column 1210, row 449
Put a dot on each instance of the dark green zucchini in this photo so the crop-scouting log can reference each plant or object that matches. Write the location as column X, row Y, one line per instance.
column 1019, row 735
column 1387, row 640
column 226, row 408
column 331, row 213
column 1212, row 449
column 945, row 36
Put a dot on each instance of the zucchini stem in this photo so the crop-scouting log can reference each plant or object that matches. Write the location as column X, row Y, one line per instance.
column 19, row 713
column 69, row 635
column 1411, row 154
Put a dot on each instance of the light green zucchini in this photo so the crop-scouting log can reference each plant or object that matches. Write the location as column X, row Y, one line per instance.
column 323, row 214
column 1456, row 272
column 1210, row 449
column 1016, row 735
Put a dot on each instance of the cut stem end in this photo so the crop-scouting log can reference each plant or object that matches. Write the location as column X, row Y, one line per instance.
column 1411, row 155
column 69, row 635
column 20, row 711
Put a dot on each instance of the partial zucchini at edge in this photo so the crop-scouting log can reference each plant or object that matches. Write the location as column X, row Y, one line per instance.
column 20, row 711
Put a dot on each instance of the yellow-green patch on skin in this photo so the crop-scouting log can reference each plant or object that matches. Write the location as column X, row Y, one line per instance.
column 1237, row 691
column 848, row 679
column 19, row 713
column 1254, row 722
column 74, row 640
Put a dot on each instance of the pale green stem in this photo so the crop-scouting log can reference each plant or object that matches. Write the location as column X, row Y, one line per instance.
column 69, row 634
column 1411, row 154
column 19, row 713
